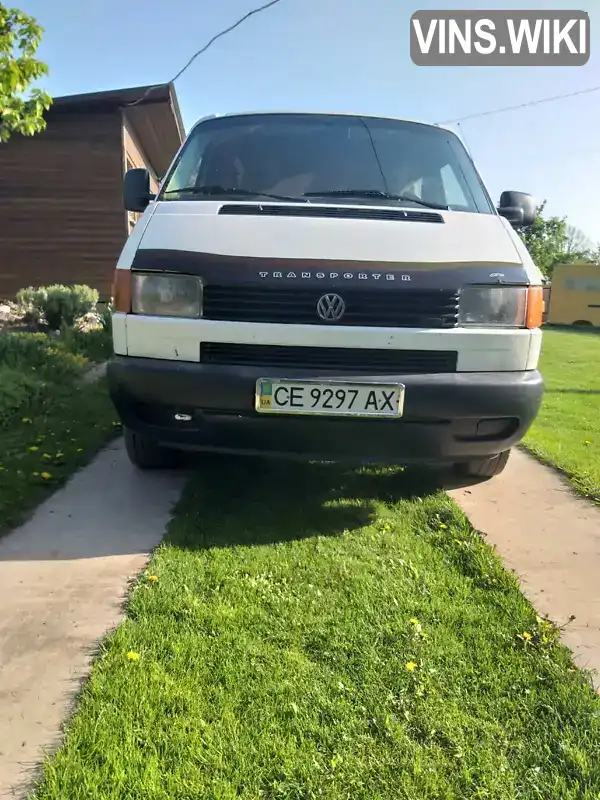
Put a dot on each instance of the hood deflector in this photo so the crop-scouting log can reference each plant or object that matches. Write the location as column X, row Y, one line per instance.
column 329, row 212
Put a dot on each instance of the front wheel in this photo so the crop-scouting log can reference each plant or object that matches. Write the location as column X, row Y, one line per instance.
column 145, row 453
column 483, row 468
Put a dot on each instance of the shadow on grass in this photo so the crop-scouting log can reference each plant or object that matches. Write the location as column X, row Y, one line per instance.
column 572, row 391
column 252, row 501
column 584, row 330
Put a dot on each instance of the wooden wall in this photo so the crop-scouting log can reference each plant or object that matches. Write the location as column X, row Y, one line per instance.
column 134, row 157
column 61, row 208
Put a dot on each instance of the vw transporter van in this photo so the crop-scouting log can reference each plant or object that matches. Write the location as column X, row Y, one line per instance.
column 329, row 287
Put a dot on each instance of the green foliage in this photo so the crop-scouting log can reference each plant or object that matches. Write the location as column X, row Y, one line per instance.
column 17, row 390
column 95, row 344
column 47, row 441
column 566, row 433
column 59, row 305
column 36, row 352
column 551, row 240
column 578, row 246
column 32, row 365
column 106, row 318
column 546, row 240
column 20, row 112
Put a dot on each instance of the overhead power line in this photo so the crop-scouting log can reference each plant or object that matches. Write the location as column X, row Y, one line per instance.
column 521, row 105
column 205, row 48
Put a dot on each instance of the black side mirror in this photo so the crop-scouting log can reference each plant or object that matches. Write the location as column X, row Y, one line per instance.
column 518, row 208
column 136, row 190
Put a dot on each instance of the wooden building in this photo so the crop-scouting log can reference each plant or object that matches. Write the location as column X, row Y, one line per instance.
column 61, row 208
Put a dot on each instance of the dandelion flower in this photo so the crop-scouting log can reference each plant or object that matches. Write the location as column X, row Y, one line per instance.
column 410, row 666
column 132, row 656
column 153, row 578
column 414, row 621
column 33, row 449
column 46, row 476
column 526, row 636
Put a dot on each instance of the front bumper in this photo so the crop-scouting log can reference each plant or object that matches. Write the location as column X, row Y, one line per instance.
column 447, row 417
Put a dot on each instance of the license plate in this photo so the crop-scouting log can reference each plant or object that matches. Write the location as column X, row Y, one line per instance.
column 329, row 398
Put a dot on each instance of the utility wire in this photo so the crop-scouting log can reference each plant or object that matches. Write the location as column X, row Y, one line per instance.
column 205, row 48
column 521, row 105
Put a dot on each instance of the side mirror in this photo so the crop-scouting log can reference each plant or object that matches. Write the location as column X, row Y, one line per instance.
column 136, row 190
column 518, row 208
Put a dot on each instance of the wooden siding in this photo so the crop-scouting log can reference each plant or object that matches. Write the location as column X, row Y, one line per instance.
column 134, row 153
column 61, row 206
column 133, row 157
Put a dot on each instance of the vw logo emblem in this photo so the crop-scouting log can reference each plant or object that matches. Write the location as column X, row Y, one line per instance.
column 331, row 307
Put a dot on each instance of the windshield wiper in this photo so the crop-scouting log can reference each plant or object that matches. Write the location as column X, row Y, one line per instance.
column 374, row 193
column 223, row 190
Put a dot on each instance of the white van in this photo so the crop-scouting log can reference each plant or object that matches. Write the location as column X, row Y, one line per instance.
column 330, row 287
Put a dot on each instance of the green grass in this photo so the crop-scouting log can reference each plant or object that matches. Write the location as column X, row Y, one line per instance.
column 50, row 424
column 310, row 632
column 567, row 432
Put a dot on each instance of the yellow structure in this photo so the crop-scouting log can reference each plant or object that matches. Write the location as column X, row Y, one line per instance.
column 575, row 295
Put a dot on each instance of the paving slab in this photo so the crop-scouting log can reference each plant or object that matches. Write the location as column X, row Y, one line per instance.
column 63, row 578
column 551, row 538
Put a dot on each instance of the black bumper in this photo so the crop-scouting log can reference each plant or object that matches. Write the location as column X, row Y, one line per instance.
column 447, row 417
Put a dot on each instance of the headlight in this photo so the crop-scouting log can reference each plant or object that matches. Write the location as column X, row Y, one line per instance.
column 493, row 306
column 166, row 295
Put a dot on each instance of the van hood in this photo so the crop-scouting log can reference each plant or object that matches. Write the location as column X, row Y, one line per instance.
column 454, row 239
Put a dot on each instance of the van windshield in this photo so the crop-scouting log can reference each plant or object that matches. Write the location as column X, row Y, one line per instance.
column 326, row 158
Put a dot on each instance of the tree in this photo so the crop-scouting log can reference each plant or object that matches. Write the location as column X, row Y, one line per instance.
column 546, row 240
column 21, row 107
column 578, row 247
column 551, row 240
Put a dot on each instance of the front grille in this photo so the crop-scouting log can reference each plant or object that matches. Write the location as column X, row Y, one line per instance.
column 333, row 359
column 409, row 308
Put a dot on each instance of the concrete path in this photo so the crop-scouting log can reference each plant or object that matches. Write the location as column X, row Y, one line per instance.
column 551, row 538
column 63, row 576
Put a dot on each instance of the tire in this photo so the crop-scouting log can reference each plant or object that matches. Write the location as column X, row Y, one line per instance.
column 484, row 468
column 146, row 454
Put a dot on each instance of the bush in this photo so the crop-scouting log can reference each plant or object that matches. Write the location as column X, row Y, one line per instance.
column 59, row 305
column 106, row 318
column 18, row 391
column 32, row 368
column 95, row 344
column 40, row 354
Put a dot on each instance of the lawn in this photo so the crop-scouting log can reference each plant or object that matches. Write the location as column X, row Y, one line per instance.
column 310, row 632
column 567, row 431
column 50, row 423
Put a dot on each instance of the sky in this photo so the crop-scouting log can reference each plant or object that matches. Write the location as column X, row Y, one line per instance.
column 343, row 55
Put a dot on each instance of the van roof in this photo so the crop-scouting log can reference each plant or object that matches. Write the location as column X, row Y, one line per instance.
column 323, row 113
